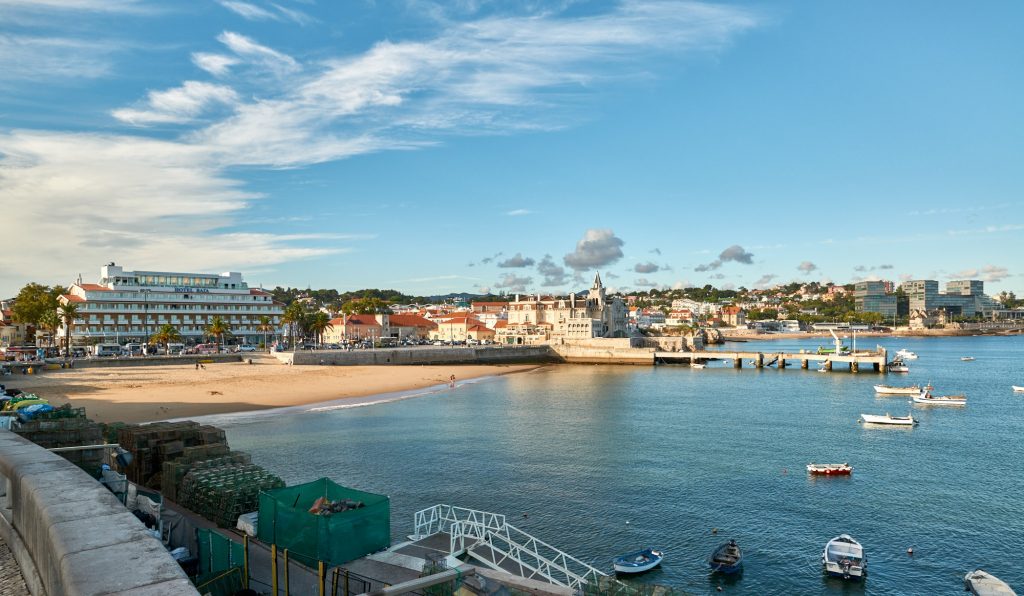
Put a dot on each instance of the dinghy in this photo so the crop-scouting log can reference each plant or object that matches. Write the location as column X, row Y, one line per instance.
column 1017, row 389
column 890, row 390
column 843, row 469
column 727, row 558
column 983, row 583
column 967, row 358
column 844, row 557
column 638, row 562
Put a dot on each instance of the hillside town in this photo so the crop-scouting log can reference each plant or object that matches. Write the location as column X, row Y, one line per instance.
column 138, row 312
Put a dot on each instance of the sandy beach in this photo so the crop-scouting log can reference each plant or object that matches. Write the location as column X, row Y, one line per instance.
column 147, row 393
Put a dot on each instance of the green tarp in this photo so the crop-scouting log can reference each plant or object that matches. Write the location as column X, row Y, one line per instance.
column 217, row 553
column 285, row 520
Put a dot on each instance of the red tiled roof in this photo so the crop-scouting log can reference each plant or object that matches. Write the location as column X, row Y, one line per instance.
column 410, row 321
column 363, row 320
column 257, row 292
column 489, row 303
column 72, row 298
column 501, row 325
column 94, row 288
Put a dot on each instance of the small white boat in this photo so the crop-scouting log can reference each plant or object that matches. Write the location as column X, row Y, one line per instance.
column 907, row 420
column 890, row 390
column 897, row 366
column 1017, row 388
column 844, row 557
column 697, row 365
column 638, row 562
column 967, row 358
column 926, row 397
column 906, row 354
column 983, row 583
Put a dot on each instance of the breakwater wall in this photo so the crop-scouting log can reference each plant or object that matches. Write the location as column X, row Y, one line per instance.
column 70, row 535
column 425, row 355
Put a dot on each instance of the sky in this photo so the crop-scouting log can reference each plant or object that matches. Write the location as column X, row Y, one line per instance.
column 519, row 146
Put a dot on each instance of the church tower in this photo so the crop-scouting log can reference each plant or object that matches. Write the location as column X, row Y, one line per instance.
column 597, row 292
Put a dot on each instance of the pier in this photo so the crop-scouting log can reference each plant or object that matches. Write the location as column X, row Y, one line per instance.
column 855, row 361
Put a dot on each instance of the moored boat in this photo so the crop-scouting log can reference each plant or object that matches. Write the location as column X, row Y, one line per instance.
column 844, row 557
column 906, row 354
column 890, row 390
column 1017, row 388
column 897, row 365
column 926, row 397
column 967, row 358
column 638, row 562
column 843, row 469
column 697, row 365
column 727, row 558
column 888, row 419
column 983, row 583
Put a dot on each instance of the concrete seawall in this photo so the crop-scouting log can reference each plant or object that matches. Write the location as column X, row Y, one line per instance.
column 70, row 535
column 420, row 356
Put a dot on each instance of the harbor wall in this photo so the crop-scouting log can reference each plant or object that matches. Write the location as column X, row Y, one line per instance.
column 70, row 535
column 604, row 351
column 425, row 355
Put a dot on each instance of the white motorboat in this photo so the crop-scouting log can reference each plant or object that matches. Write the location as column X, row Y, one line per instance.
column 926, row 397
column 897, row 366
column 844, row 557
column 906, row 354
column 983, row 583
column 967, row 358
column 907, row 420
column 1017, row 388
column 697, row 365
column 890, row 390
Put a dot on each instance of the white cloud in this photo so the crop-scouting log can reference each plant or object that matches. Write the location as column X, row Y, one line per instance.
column 127, row 198
column 270, row 58
column 597, row 248
column 216, row 64
column 516, row 212
column 989, row 273
column 25, row 57
column 253, row 12
column 178, row 105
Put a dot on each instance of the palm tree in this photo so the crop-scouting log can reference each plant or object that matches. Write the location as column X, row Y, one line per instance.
column 218, row 328
column 318, row 324
column 68, row 314
column 49, row 322
column 165, row 335
column 294, row 317
column 265, row 326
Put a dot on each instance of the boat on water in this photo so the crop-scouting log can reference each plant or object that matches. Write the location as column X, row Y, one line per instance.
column 907, row 420
column 983, row 583
column 638, row 562
column 844, row 557
column 906, row 354
column 1017, row 388
column 897, row 366
column 890, row 390
column 697, row 365
column 727, row 558
column 967, row 358
column 843, row 469
column 926, row 397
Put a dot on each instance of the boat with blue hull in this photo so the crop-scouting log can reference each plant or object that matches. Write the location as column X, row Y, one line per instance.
column 639, row 561
column 727, row 558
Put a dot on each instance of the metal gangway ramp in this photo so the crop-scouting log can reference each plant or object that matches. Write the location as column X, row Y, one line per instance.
column 491, row 540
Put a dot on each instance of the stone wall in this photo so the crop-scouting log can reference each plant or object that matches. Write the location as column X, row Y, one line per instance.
column 71, row 536
column 425, row 355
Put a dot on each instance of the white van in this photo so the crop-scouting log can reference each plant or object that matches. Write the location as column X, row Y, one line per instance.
column 106, row 350
column 175, row 349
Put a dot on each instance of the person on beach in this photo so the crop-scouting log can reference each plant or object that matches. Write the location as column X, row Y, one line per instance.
column 451, row 381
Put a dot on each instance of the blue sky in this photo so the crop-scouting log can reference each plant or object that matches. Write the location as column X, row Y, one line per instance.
column 519, row 146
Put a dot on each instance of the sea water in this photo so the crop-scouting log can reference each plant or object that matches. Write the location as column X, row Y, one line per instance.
column 602, row 460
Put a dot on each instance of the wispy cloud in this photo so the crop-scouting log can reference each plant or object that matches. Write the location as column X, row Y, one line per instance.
column 993, row 229
column 990, row 273
column 26, row 57
column 178, row 105
column 517, row 212
column 216, row 64
column 275, row 12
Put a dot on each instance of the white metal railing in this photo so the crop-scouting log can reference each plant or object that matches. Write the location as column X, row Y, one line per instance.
column 534, row 557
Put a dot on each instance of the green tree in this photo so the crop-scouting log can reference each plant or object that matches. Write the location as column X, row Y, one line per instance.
column 294, row 316
column 318, row 324
column 34, row 301
column 218, row 328
column 265, row 326
column 166, row 335
column 49, row 321
column 68, row 315
column 367, row 305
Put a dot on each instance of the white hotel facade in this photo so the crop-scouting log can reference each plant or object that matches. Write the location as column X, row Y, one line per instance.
column 133, row 305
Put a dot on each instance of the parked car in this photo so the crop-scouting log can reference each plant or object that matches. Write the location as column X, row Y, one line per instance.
column 246, row 348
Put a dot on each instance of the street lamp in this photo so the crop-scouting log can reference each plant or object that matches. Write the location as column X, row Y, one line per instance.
column 145, row 318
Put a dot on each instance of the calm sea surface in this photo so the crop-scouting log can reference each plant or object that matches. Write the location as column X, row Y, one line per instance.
column 599, row 460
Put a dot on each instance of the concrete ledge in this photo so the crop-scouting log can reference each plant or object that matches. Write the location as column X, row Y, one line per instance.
column 79, row 538
column 429, row 355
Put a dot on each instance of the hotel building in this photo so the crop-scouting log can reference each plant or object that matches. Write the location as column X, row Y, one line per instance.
column 962, row 297
column 133, row 305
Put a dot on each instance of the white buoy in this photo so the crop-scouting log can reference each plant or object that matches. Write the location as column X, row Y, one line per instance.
column 627, row 522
